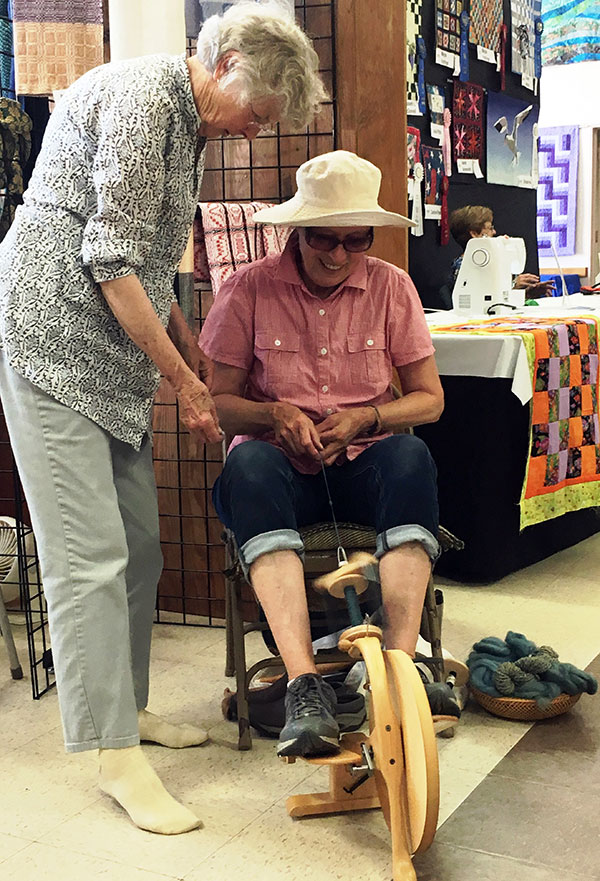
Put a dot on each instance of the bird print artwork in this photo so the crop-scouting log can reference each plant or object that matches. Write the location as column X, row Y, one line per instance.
column 510, row 144
column 501, row 126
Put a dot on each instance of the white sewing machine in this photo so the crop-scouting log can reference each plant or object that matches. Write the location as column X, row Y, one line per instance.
column 485, row 277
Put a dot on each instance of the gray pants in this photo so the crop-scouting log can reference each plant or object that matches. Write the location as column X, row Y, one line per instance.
column 93, row 506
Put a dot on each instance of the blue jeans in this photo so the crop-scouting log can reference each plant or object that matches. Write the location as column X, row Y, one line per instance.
column 391, row 487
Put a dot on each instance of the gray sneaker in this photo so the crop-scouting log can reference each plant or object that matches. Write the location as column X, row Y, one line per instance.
column 310, row 728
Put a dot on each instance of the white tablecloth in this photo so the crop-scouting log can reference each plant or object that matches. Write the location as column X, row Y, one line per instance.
column 498, row 355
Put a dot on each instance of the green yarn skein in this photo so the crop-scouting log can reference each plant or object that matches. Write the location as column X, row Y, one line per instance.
column 508, row 676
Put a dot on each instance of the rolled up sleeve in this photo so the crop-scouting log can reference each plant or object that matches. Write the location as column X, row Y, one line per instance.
column 228, row 332
column 129, row 178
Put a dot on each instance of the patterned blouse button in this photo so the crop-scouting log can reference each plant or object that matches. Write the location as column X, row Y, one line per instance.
column 323, row 351
column 277, row 342
column 369, row 342
column 325, row 388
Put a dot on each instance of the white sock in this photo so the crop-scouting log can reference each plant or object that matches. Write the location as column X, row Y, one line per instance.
column 158, row 730
column 126, row 775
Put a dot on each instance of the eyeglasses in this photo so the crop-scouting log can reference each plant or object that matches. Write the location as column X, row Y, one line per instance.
column 263, row 128
column 354, row 243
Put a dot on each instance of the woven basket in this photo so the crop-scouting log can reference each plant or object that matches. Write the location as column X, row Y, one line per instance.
column 524, row 710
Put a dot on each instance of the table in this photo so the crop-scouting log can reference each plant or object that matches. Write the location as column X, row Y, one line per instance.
column 480, row 445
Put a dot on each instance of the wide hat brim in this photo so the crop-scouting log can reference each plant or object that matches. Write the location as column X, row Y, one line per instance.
column 295, row 212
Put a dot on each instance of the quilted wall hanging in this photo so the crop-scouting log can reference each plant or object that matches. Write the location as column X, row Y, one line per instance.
column 523, row 36
column 451, row 36
column 511, row 141
column 436, row 101
column 413, row 146
column 557, row 190
column 55, row 43
column 413, row 31
column 433, row 166
column 486, row 21
column 467, row 127
column 447, row 25
column 571, row 31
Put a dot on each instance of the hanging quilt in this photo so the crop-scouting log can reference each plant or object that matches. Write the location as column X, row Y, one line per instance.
column 55, row 43
column 447, row 25
column 467, row 126
column 563, row 465
column 15, row 147
column 231, row 239
column 557, row 190
column 7, row 69
column 413, row 30
column 413, row 145
column 436, row 101
column 511, row 137
column 523, row 15
column 413, row 154
column 486, row 20
column 433, row 166
column 571, row 31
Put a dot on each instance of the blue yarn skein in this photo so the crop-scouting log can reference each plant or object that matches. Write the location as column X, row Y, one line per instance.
column 542, row 677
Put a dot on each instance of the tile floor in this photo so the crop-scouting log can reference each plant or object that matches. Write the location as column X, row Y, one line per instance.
column 517, row 802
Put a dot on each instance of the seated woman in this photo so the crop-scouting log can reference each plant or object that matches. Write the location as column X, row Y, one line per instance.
column 304, row 344
column 475, row 221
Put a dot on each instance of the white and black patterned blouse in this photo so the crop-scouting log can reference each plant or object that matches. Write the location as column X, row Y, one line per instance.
column 114, row 192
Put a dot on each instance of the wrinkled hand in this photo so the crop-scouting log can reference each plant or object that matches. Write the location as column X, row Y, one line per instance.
column 295, row 432
column 338, row 430
column 198, row 413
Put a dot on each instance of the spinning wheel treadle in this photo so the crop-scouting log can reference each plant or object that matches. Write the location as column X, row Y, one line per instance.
column 404, row 753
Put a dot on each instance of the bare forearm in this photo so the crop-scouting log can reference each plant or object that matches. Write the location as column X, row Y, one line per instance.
column 415, row 408
column 133, row 310
column 237, row 415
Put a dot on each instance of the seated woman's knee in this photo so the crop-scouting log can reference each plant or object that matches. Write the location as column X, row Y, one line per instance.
column 253, row 462
column 407, row 451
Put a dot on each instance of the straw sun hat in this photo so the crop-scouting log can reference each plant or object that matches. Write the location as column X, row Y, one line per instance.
column 334, row 189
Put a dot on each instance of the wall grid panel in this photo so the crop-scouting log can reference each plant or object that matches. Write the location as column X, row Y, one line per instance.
column 192, row 589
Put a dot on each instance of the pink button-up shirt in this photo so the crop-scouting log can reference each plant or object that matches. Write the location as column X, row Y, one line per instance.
column 321, row 355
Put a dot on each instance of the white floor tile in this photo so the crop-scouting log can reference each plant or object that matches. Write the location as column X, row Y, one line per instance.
column 10, row 845
column 41, row 861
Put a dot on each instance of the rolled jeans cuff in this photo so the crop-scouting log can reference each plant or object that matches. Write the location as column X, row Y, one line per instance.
column 400, row 535
column 276, row 540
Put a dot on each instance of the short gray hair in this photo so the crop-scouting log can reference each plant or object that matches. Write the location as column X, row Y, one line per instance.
column 277, row 58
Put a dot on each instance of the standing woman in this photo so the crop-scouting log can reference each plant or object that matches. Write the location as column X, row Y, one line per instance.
column 87, row 325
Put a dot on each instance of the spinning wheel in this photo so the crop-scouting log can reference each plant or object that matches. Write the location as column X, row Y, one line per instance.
column 395, row 767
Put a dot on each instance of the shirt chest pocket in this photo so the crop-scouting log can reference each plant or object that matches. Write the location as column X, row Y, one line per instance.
column 278, row 355
column 368, row 357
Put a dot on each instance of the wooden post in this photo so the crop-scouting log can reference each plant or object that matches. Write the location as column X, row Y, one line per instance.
column 371, row 104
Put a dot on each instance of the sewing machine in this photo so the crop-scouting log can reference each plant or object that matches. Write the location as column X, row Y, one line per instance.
column 485, row 277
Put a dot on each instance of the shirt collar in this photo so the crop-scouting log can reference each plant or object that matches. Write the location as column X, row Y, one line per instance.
column 287, row 269
column 188, row 103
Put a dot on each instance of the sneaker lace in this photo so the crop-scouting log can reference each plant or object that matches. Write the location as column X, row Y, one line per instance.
column 308, row 700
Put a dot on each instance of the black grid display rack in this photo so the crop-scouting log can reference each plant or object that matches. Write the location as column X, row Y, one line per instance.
column 21, row 583
column 191, row 589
